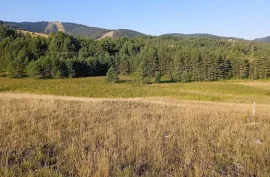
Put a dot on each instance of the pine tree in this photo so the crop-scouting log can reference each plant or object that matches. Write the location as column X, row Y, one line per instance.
column 18, row 65
column 244, row 69
column 149, row 65
column 185, row 77
column 157, row 77
column 112, row 75
column 227, row 69
column 198, row 68
column 124, row 65
column 210, row 68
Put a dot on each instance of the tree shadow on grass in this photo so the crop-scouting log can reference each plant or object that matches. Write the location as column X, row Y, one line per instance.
column 167, row 81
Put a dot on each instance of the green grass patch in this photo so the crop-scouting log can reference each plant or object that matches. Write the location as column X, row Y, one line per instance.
column 98, row 87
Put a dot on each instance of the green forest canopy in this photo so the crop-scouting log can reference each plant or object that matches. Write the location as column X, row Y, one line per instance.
column 181, row 59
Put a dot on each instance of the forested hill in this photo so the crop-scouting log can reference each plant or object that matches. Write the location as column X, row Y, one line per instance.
column 181, row 59
column 265, row 39
column 99, row 33
column 200, row 35
column 69, row 28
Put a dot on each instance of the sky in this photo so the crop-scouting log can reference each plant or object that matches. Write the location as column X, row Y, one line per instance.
column 247, row 19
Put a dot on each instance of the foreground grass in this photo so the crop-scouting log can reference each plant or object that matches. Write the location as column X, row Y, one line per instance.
column 57, row 137
column 225, row 91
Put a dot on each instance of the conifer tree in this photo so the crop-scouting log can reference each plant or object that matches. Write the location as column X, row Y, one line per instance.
column 112, row 75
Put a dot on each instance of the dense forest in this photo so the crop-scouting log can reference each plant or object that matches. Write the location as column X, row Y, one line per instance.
column 181, row 59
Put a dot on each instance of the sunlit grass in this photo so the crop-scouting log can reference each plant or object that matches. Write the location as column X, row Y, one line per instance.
column 228, row 91
column 66, row 136
column 42, row 136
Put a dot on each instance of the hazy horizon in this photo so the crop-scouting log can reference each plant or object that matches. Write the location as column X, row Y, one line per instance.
column 242, row 19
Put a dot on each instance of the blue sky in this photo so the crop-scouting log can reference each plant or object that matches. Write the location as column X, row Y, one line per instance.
column 238, row 18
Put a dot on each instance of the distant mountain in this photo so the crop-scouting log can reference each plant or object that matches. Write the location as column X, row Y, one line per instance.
column 121, row 33
column 45, row 27
column 128, row 33
column 70, row 28
column 265, row 39
column 199, row 35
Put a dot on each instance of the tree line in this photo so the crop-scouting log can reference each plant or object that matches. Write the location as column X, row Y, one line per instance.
column 147, row 58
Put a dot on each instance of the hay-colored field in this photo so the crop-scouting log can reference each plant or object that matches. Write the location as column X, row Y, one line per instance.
column 67, row 136
column 125, row 129
column 33, row 34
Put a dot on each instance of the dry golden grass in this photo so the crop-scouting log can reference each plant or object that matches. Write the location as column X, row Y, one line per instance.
column 33, row 34
column 66, row 136
column 261, row 85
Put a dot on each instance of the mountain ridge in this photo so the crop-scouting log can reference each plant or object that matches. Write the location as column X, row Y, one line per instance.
column 200, row 35
column 81, row 30
column 74, row 29
column 264, row 39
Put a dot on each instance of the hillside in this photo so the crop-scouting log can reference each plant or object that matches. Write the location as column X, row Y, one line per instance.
column 128, row 33
column 198, row 35
column 70, row 136
column 265, row 39
column 33, row 34
column 80, row 30
column 110, row 34
column 69, row 28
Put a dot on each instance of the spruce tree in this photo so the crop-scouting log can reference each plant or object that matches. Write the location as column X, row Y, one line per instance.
column 112, row 75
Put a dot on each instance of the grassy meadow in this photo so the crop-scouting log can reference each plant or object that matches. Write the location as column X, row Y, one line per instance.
column 128, row 129
column 245, row 91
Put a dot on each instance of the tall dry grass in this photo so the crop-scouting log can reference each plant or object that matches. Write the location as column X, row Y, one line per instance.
column 54, row 137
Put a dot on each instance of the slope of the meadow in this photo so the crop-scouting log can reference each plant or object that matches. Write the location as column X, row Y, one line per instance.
column 68, row 136
column 128, row 129
column 241, row 91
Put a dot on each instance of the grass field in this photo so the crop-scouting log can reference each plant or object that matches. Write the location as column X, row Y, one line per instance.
column 243, row 91
column 33, row 34
column 125, row 129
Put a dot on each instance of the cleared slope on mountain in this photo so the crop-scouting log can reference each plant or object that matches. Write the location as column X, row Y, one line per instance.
column 110, row 34
column 121, row 33
column 50, row 28
column 60, row 26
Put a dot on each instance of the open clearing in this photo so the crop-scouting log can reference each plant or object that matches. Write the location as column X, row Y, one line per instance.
column 110, row 34
column 132, row 130
column 33, row 34
column 98, row 87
